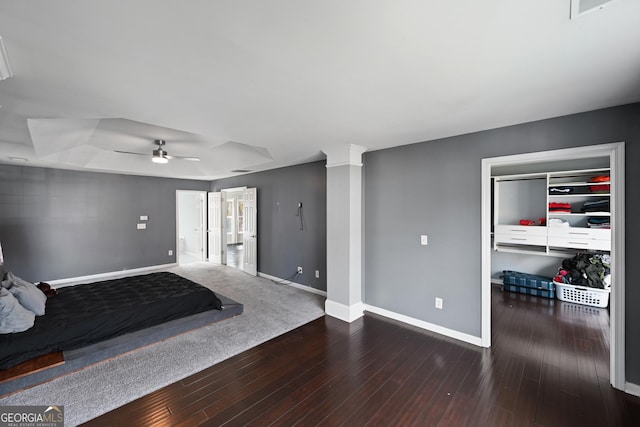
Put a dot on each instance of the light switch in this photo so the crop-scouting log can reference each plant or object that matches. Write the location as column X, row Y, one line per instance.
column 423, row 240
column 142, row 226
column 144, row 217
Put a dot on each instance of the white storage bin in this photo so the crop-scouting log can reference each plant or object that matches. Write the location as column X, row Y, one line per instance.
column 582, row 295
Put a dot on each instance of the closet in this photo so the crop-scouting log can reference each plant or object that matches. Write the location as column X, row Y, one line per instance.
column 565, row 214
column 551, row 213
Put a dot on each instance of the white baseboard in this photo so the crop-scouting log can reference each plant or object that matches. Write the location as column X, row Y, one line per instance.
column 293, row 284
column 632, row 388
column 425, row 325
column 347, row 313
column 106, row 276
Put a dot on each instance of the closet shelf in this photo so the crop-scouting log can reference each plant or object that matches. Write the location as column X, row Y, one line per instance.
column 560, row 196
column 554, row 214
column 529, row 197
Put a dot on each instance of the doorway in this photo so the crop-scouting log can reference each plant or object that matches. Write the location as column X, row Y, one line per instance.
column 615, row 154
column 190, row 218
column 233, row 228
column 233, row 217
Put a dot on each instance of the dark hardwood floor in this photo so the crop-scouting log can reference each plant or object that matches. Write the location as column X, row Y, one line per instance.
column 548, row 366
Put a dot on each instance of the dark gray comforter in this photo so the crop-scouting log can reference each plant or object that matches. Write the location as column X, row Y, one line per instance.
column 85, row 314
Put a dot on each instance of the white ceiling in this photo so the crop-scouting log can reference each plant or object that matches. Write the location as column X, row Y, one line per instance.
column 262, row 84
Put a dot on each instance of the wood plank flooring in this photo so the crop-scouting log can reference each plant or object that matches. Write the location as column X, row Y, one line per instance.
column 31, row 366
column 548, row 366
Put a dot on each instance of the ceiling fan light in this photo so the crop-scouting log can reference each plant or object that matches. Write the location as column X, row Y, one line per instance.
column 160, row 160
column 158, row 157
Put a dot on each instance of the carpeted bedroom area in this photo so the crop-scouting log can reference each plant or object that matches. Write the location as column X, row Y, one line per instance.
column 270, row 309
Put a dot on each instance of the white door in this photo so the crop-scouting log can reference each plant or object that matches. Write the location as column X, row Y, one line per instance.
column 250, row 235
column 190, row 218
column 215, row 228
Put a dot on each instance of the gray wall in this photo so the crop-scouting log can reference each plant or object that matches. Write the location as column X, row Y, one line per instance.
column 58, row 224
column 434, row 188
column 282, row 246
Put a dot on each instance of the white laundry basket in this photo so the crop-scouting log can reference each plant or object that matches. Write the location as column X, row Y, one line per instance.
column 582, row 295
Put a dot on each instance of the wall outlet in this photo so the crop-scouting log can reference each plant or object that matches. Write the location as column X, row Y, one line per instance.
column 299, row 270
column 317, row 274
column 424, row 240
column 170, row 252
column 142, row 226
column 439, row 303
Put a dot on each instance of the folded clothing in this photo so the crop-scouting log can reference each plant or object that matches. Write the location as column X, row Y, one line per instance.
column 541, row 221
column 595, row 206
column 560, row 207
column 603, row 188
column 598, row 222
column 561, row 190
column 557, row 222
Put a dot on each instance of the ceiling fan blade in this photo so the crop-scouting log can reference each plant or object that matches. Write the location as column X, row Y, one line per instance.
column 192, row 159
column 161, row 153
column 130, row 152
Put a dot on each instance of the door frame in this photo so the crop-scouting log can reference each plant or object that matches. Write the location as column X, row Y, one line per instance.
column 243, row 189
column 203, row 222
column 250, row 231
column 215, row 228
column 615, row 151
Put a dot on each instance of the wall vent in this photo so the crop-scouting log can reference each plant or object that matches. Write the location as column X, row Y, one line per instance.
column 581, row 7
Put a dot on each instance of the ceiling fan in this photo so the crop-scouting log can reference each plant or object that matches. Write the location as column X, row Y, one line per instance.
column 160, row 155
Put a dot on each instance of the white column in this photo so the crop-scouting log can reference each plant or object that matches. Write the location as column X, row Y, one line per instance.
column 344, row 232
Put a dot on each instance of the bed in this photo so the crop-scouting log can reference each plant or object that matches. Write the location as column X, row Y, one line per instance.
column 82, row 315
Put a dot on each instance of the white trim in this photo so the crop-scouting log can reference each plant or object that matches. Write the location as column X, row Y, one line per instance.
column 632, row 388
column 106, row 276
column 234, row 189
column 460, row 336
column 615, row 151
column 485, row 229
column 345, row 154
column 344, row 312
column 567, row 153
column 293, row 284
column 617, row 339
column 334, row 165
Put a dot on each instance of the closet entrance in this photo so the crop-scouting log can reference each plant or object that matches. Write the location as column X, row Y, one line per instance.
column 518, row 187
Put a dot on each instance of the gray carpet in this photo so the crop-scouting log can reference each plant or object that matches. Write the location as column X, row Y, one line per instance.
column 269, row 310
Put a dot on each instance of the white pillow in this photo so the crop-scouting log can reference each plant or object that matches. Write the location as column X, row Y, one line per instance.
column 27, row 294
column 13, row 316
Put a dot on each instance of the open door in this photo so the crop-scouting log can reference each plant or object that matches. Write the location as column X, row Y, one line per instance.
column 250, row 234
column 216, row 234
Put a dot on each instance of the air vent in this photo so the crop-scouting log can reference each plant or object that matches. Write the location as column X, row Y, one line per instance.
column 240, row 171
column 581, row 7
